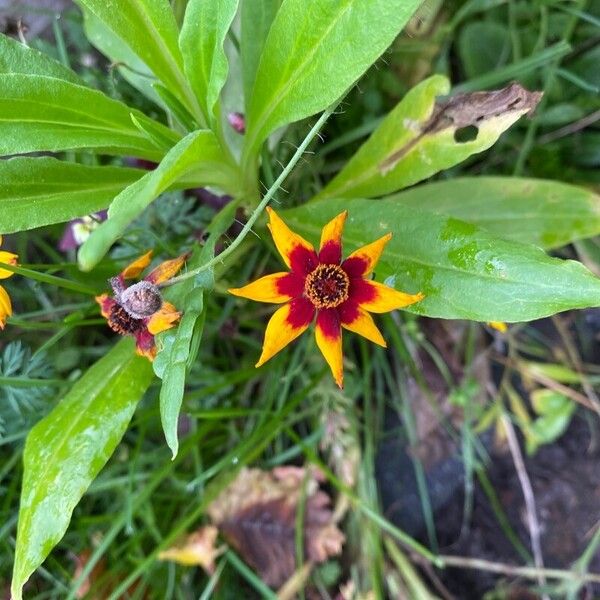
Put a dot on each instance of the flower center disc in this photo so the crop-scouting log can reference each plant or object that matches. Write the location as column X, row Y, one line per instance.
column 327, row 286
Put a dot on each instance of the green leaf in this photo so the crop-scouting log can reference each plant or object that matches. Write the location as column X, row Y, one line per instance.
column 177, row 109
column 203, row 34
column 42, row 191
column 47, row 114
column 483, row 47
column 179, row 346
column 257, row 16
column 131, row 67
column 417, row 139
column 198, row 154
column 464, row 271
column 555, row 411
column 149, row 29
column 546, row 213
column 18, row 58
column 66, row 450
column 315, row 51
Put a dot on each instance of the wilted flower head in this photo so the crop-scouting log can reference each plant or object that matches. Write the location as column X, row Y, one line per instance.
column 340, row 293
column 139, row 309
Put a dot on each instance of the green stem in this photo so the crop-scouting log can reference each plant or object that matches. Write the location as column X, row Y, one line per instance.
column 51, row 279
column 261, row 207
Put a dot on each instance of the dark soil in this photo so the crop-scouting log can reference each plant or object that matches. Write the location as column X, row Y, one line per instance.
column 565, row 476
column 566, row 481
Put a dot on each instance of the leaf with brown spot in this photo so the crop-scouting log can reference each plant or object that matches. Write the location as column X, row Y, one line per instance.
column 421, row 137
column 257, row 515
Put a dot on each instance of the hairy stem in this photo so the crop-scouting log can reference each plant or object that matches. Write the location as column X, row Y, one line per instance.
column 263, row 203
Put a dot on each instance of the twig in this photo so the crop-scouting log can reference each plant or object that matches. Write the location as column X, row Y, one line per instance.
column 528, row 572
column 532, row 520
column 546, row 381
column 575, row 359
column 570, row 128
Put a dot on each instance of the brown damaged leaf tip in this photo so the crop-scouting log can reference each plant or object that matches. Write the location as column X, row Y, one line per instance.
column 470, row 109
column 257, row 515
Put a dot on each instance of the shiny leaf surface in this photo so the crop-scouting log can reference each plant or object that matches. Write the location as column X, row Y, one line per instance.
column 202, row 37
column 18, row 58
column 546, row 213
column 464, row 271
column 47, row 114
column 67, row 449
column 257, row 16
column 42, row 191
column 316, row 50
column 179, row 346
column 198, row 153
column 420, row 138
column 149, row 29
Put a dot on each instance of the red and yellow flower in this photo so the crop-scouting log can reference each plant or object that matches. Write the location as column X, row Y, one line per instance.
column 7, row 258
column 138, row 309
column 340, row 293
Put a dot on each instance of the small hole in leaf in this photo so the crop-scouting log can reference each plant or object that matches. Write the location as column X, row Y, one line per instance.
column 466, row 134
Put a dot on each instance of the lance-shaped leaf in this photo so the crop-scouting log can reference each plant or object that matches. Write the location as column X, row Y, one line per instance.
column 464, row 271
column 42, row 191
column 315, row 51
column 179, row 346
column 421, row 137
column 18, row 58
column 48, row 114
column 203, row 34
column 131, row 67
column 546, row 213
column 198, row 154
column 67, row 449
column 149, row 28
column 257, row 17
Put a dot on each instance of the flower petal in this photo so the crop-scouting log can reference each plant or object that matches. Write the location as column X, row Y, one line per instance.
column 7, row 258
column 330, row 251
column 328, row 334
column 106, row 304
column 358, row 320
column 276, row 288
column 362, row 261
column 5, row 306
column 166, row 269
column 500, row 326
column 286, row 324
column 133, row 269
column 298, row 254
column 144, row 344
column 378, row 298
column 163, row 319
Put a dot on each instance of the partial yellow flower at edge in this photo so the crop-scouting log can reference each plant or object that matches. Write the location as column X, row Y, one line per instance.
column 5, row 307
column 7, row 258
column 498, row 326
column 5, row 304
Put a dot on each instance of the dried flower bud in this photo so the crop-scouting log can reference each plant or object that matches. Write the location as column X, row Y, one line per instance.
column 141, row 299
